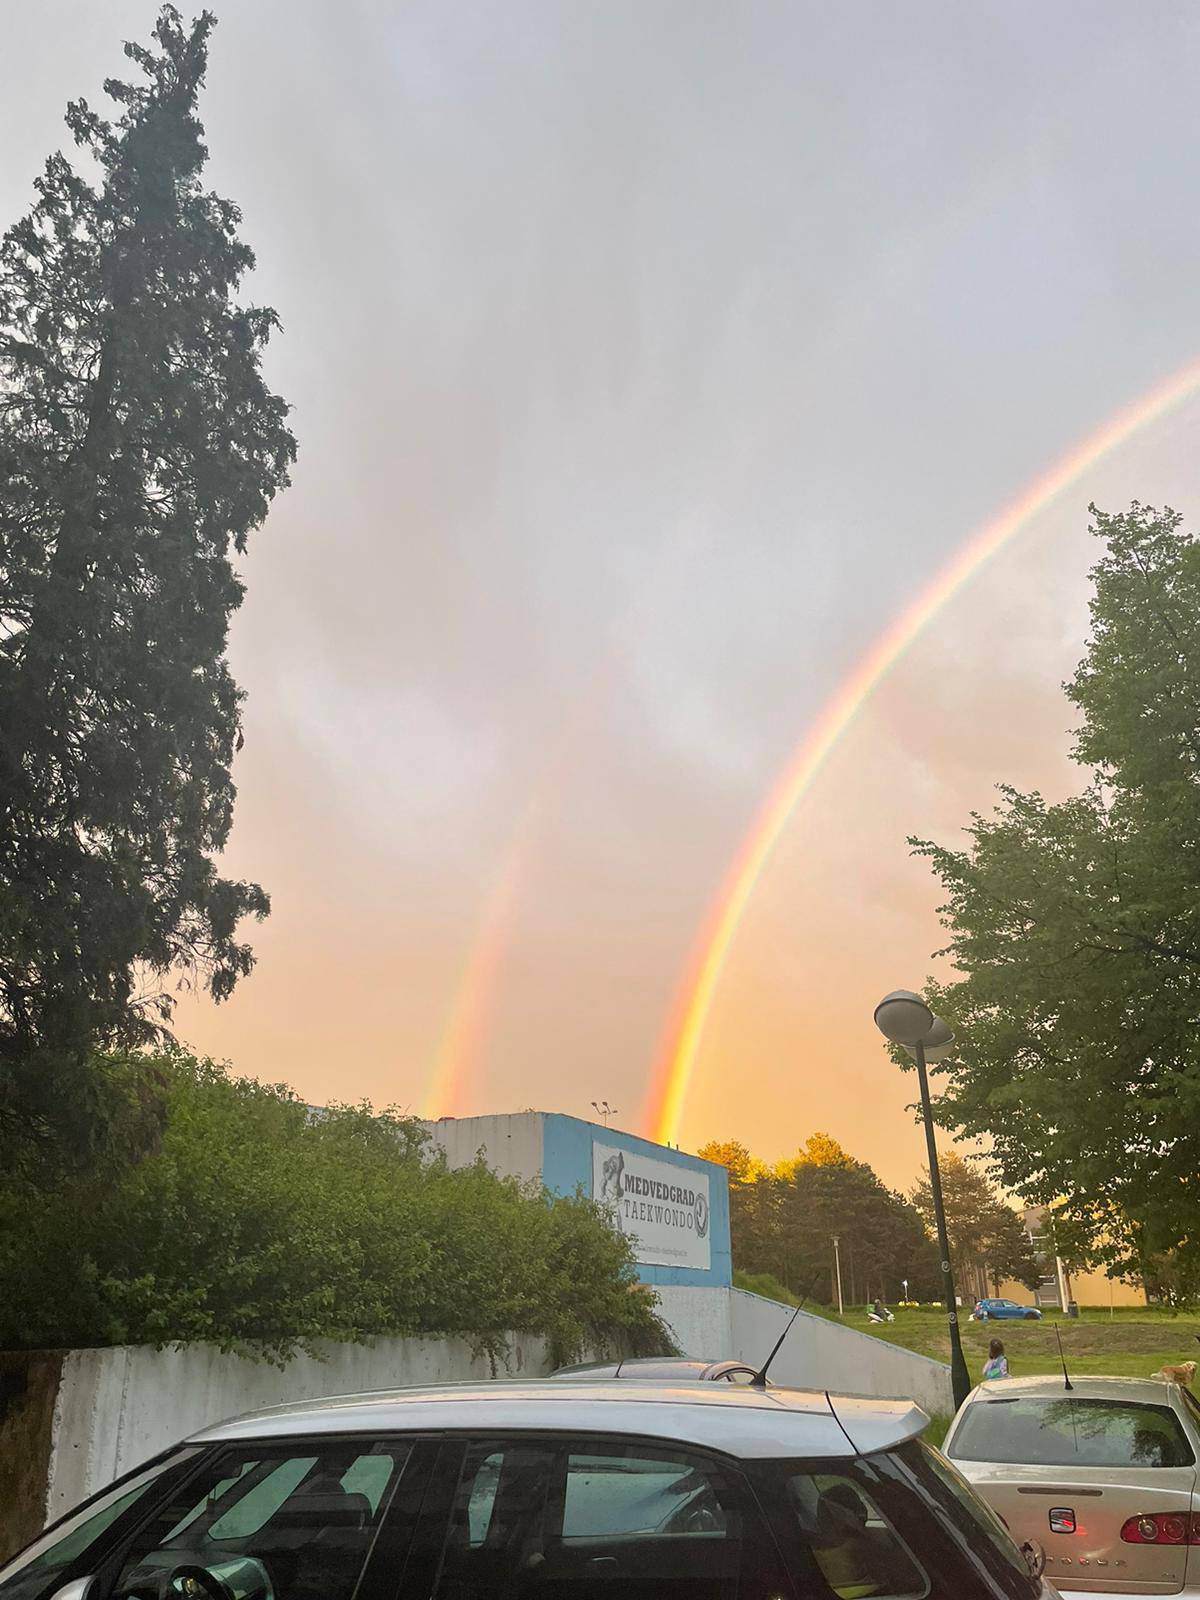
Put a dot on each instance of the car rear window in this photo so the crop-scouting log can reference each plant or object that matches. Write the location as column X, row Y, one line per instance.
column 1068, row 1430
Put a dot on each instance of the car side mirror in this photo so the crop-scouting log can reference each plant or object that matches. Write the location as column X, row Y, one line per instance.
column 77, row 1589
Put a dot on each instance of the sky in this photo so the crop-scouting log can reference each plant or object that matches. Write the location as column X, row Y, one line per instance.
column 647, row 360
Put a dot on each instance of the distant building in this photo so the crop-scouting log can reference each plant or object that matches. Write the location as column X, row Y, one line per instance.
column 1060, row 1285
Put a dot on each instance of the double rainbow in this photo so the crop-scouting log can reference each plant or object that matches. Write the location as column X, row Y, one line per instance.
column 677, row 1062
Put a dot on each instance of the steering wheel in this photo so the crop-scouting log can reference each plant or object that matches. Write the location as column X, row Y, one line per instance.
column 197, row 1583
column 242, row 1578
column 699, row 1519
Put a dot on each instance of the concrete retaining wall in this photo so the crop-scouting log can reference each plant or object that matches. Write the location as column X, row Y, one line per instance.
column 73, row 1421
column 714, row 1323
column 117, row 1408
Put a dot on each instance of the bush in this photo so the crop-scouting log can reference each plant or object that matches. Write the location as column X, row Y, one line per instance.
column 262, row 1228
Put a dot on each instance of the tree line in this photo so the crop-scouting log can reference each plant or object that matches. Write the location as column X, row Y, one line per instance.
column 785, row 1217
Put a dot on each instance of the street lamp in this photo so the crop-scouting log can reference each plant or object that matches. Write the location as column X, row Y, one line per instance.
column 905, row 1019
column 604, row 1110
column 837, row 1266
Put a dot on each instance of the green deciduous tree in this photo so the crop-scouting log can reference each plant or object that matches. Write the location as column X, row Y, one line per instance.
column 784, row 1218
column 139, row 446
column 260, row 1227
column 986, row 1237
column 1075, row 930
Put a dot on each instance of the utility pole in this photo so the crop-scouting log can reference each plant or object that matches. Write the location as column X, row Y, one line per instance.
column 837, row 1263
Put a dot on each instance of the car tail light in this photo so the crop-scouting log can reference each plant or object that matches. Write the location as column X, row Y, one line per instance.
column 1162, row 1527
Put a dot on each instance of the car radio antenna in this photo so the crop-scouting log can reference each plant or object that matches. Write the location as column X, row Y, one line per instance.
column 1067, row 1384
column 759, row 1380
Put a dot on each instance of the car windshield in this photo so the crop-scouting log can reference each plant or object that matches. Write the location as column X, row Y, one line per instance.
column 49, row 1558
column 1070, row 1430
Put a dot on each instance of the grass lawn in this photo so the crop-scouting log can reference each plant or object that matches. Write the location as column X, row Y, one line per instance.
column 1131, row 1343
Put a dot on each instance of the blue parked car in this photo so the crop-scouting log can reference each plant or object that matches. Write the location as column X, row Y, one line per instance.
column 989, row 1310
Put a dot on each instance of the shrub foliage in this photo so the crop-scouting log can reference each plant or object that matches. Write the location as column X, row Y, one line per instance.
column 263, row 1228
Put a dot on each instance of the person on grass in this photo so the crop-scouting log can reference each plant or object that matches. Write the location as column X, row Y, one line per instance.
column 996, row 1365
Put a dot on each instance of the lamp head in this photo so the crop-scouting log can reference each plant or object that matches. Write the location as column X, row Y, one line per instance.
column 938, row 1042
column 903, row 1017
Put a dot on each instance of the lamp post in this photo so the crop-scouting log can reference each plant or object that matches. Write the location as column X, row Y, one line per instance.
column 837, row 1267
column 904, row 1019
column 604, row 1110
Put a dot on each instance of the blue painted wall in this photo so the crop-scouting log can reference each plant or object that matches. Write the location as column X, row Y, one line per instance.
column 567, row 1166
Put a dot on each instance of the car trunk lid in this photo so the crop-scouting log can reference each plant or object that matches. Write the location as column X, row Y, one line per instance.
column 1076, row 1514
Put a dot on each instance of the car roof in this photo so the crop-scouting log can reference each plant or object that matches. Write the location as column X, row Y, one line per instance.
column 729, row 1417
column 1150, row 1391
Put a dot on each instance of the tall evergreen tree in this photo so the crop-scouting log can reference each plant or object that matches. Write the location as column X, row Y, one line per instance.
column 139, row 446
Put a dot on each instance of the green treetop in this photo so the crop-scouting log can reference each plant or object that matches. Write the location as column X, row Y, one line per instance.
column 1075, row 930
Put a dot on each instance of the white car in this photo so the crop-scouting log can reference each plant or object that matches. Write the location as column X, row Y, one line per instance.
column 1102, row 1475
column 602, row 1490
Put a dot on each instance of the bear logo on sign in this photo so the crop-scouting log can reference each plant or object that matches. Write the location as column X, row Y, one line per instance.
column 612, row 1181
column 701, row 1216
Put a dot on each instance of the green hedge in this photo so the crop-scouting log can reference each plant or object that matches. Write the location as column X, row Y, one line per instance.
column 263, row 1229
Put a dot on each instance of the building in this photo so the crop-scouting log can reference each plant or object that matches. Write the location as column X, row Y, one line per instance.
column 675, row 1208
column 1061, row 1285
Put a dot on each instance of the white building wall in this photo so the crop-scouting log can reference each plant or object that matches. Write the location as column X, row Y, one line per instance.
column 512, row 1144
column 700, row 1320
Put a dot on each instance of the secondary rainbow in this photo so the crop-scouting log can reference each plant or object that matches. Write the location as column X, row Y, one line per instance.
column 676, row 1064
column 460, row 1047
column 459, row 1058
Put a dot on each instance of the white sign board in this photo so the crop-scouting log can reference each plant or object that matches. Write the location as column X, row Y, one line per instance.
column 663, row 1208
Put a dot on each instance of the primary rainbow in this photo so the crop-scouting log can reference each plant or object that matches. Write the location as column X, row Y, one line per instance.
column 676, row 1064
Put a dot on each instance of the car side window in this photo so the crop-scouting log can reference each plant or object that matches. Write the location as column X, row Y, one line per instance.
column 573, row 1520
column 613, row 1496
column 855, row 1547
column 266, row 1523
